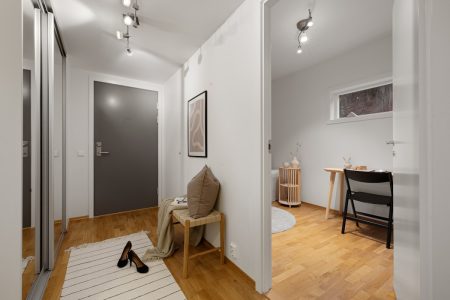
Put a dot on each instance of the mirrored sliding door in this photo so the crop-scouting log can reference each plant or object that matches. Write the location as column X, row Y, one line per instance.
column 56, row 70
column 31, row 241
column 43, row 215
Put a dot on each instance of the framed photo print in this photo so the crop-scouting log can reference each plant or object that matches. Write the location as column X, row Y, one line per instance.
column 197, row 126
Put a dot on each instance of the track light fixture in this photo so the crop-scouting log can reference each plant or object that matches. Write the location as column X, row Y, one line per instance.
column 129, row 18
column 303, row 26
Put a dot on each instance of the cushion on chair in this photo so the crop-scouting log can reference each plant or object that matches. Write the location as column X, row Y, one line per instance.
column 202, row 193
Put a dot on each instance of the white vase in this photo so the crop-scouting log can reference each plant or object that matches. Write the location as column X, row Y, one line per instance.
column 295, row 163
column 286, row 164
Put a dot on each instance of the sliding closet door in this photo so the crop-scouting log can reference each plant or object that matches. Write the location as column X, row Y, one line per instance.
column 31, row 232
column 56, row 121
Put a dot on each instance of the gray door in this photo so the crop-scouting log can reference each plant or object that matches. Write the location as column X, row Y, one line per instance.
column 26, row 166
column 126, row 148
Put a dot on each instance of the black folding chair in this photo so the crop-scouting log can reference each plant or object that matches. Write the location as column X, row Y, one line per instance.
column 369, row 177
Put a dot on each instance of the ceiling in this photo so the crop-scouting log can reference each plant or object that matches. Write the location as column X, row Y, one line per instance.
column 170, row 32
column 338, row 27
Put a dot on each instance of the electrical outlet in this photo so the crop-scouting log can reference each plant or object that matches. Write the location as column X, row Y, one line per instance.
column 233, row 250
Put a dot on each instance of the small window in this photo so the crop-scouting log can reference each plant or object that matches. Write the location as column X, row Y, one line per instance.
column 365, row 102
column 362, row 102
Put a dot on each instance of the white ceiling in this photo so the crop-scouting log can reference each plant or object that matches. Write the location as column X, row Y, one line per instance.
column 339, row 25
column 170, row 32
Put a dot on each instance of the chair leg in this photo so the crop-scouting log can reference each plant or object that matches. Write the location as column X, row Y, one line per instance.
column 389, row 229
column 344, row 215
column 222, row 239
column 354, row 211
column 186, row 248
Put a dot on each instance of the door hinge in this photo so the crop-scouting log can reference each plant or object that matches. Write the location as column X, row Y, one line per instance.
column 269, row 146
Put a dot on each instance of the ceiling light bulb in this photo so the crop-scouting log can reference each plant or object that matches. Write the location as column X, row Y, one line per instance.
column 126, row 3
column 127, row 20
column 310, row 23
column 129, row 52
column 119, row 35
column 304, row 39
column 299, row 50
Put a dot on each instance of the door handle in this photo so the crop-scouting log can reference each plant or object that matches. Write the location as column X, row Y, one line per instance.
column 25, row 149
column 98, row 149
column 390, row 143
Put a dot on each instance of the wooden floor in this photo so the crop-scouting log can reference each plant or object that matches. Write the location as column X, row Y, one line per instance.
column 28, row 249
column 29, row 274
column 310, row 261
column 207, row 278
column 314, row 260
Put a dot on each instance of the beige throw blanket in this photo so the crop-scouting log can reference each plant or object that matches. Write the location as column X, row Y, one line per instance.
column 166, row 246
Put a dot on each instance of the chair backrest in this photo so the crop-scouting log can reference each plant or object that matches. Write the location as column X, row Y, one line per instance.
column 368, row 177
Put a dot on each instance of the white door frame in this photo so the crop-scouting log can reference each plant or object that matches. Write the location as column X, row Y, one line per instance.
column 129, row 83
column 264, row 281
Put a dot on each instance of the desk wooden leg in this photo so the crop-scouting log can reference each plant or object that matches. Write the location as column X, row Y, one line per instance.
column 330, row 193
column 222, row 239
column 186, row 249
column 341, row 190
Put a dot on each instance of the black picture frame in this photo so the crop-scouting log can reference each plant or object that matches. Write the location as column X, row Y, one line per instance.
column 203, row 96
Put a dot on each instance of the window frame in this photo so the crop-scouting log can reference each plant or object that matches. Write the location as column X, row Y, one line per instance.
column 334, row 103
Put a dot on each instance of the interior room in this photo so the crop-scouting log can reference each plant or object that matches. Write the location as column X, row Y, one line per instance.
column 332, row 102
column 239, row 149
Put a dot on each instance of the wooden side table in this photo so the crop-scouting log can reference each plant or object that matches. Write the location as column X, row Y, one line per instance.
column 289, row 186
column 333, row 172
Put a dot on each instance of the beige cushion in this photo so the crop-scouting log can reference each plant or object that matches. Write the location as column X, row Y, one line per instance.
column 202, row 193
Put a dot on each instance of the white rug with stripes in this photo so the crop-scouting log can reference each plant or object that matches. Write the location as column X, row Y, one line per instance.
column 92, row 273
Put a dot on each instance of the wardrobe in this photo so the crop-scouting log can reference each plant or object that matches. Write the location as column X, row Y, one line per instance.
column 44, row 146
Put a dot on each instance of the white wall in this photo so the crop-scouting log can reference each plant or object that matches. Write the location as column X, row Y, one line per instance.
column 301, row 110
column 11, row 151
column 229, row 70
column 77, row 118
column 173, row 128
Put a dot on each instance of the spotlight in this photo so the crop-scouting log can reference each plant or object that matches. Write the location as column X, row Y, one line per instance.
column 128, row 19
column 304, row 39
column 129, row 52
column 126, row 3
column 310, row 23
column 119, row 35
column 299, row 50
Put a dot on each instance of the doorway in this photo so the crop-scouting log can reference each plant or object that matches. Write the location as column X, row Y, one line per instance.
column 407, row 28
column 125, row 148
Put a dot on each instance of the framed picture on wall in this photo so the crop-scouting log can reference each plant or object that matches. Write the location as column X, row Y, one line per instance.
column 197, row 126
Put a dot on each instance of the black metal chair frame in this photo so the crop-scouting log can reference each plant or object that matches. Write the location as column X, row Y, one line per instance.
column 351, row 196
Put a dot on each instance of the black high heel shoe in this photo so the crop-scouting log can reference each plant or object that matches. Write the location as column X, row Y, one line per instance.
column 140, row 266
column 123, row 260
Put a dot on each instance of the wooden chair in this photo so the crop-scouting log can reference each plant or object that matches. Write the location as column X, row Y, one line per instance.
column 369, row 177
column 183, row 217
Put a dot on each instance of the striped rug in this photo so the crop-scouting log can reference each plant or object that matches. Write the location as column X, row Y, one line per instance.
column 92, row 273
